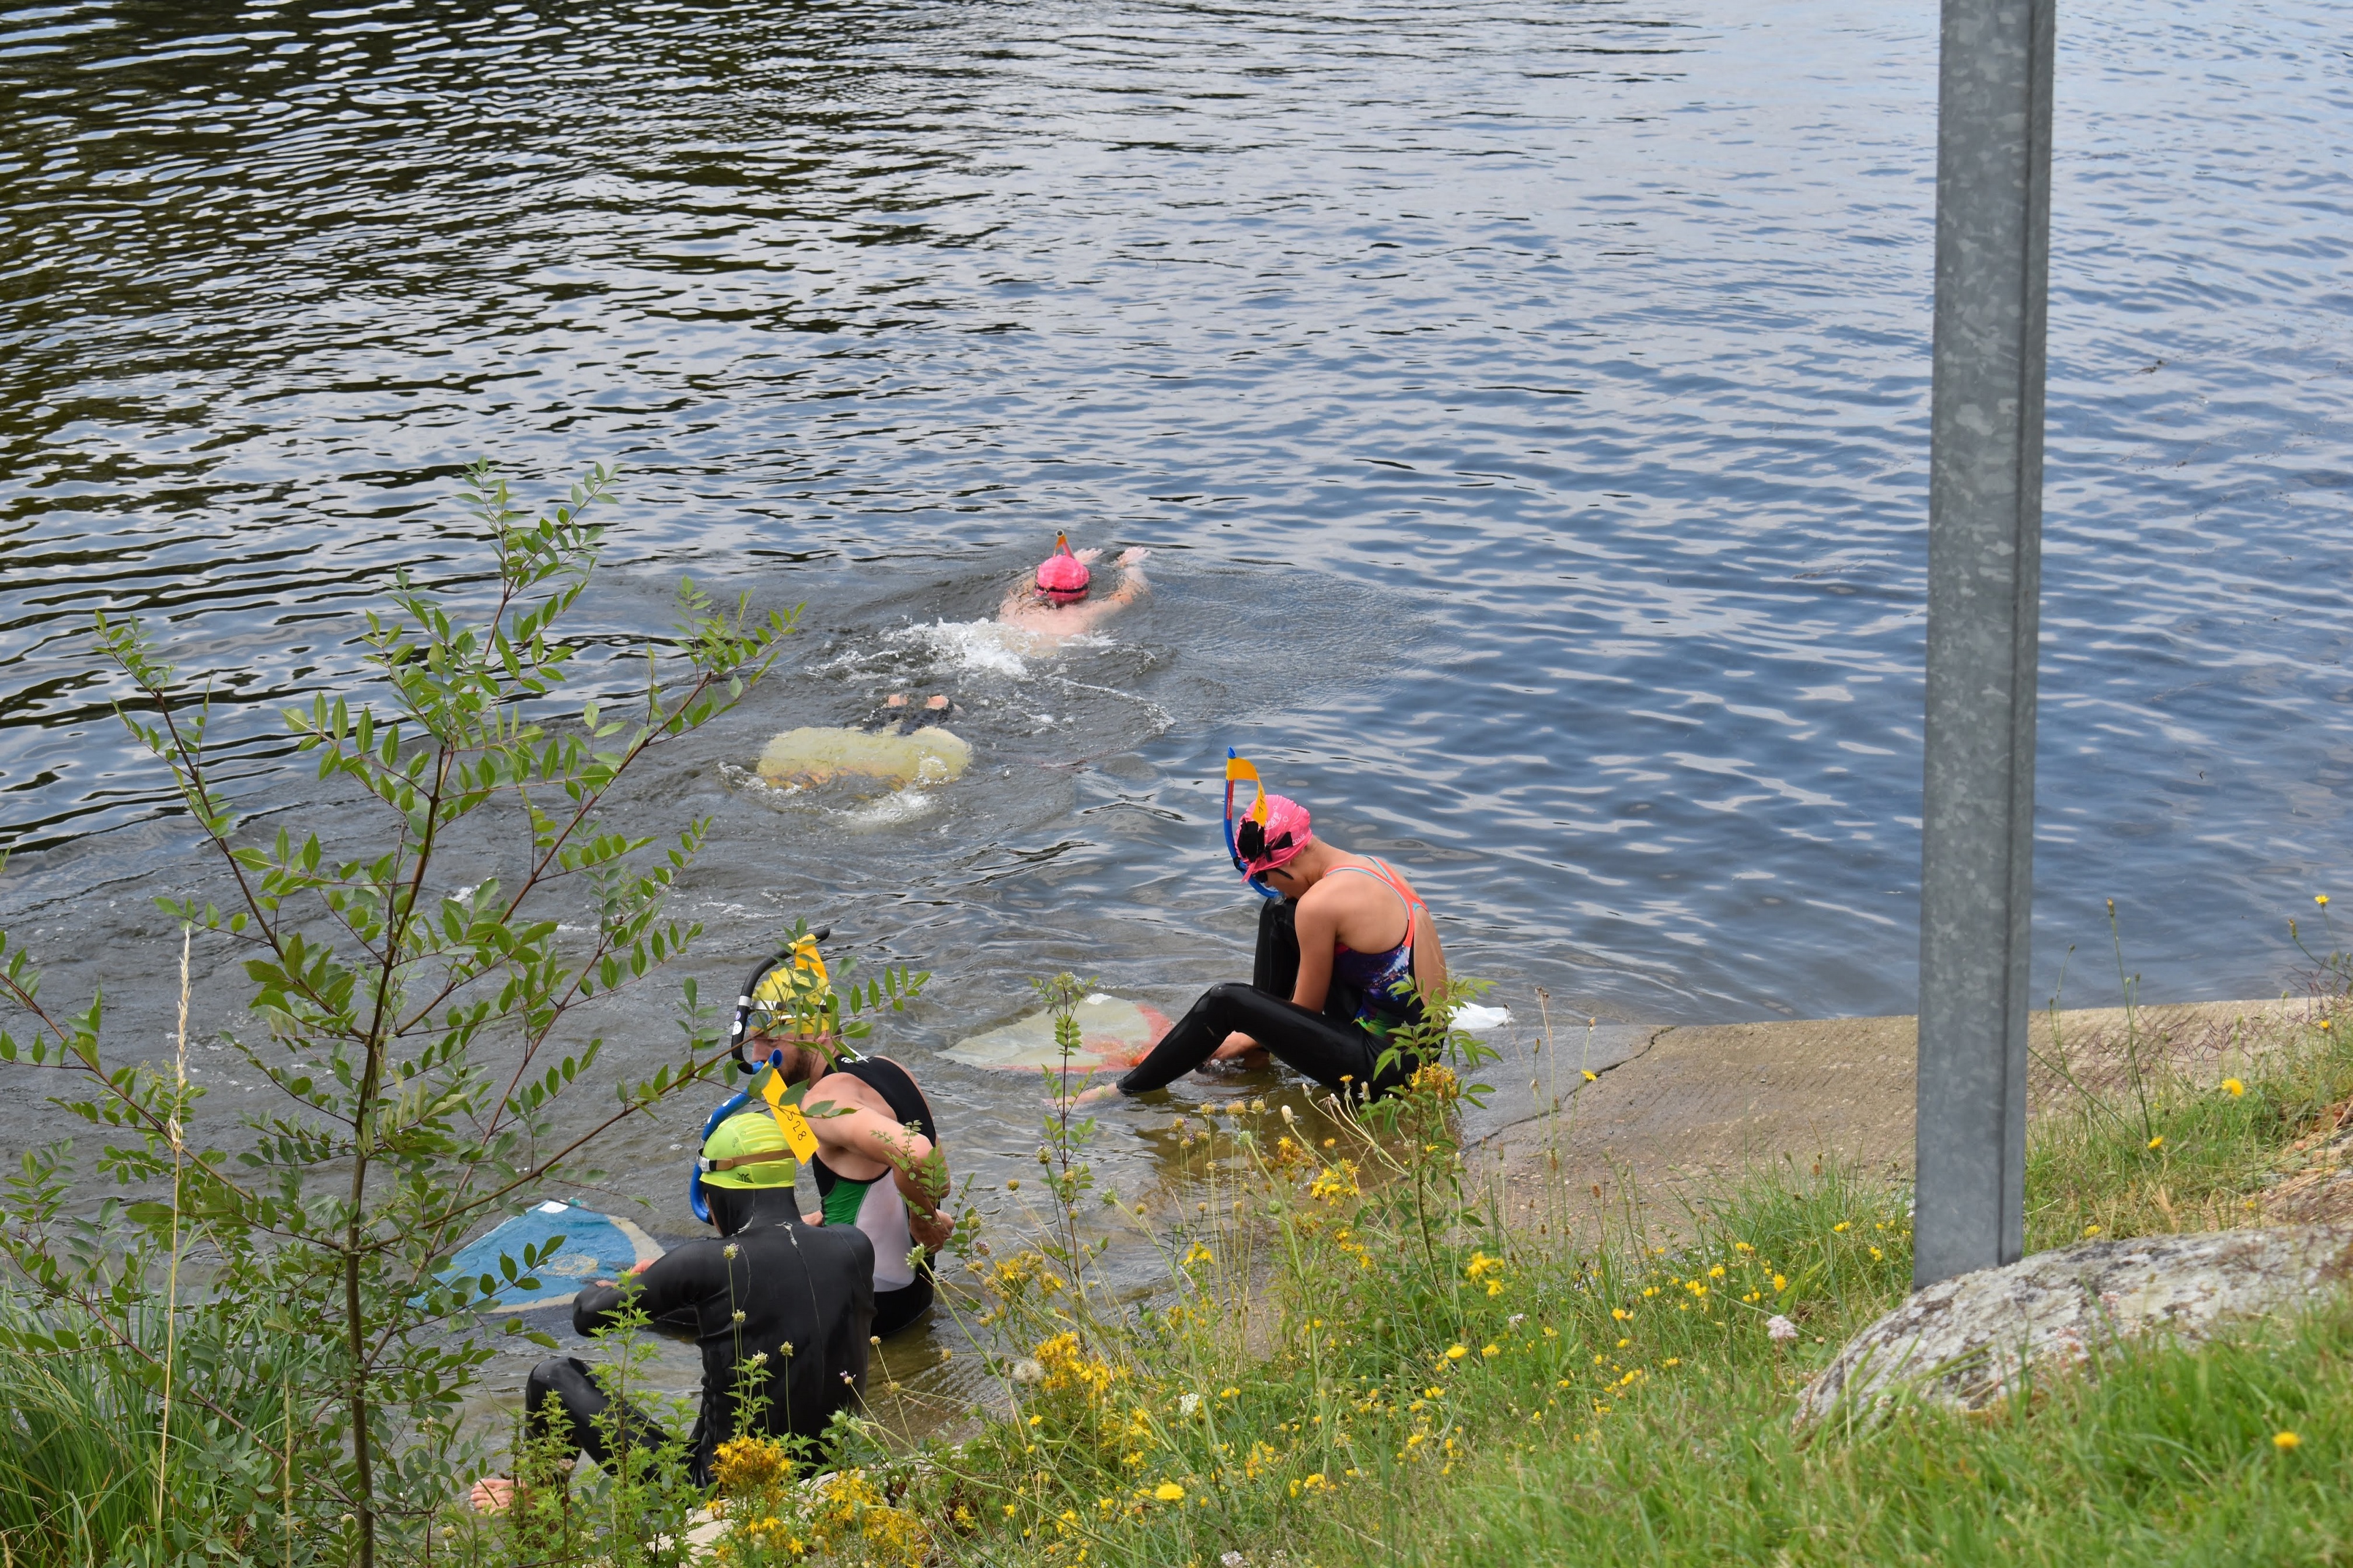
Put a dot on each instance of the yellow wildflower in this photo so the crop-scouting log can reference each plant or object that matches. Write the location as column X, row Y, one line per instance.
column 744, row 1465
column 2157, row 1142
column 1437, row 1080
column 1169, row 1491
column 1456, row 1352
column 2284, row 1441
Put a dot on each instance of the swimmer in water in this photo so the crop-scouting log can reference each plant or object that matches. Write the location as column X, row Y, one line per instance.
column 892, row 716
column 1056, row 602
column 878, row 1162
column 1344, row 943
column 767, row 1290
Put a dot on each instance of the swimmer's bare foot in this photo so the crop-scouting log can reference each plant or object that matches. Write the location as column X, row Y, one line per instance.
column 937, row 703
column 896, row 700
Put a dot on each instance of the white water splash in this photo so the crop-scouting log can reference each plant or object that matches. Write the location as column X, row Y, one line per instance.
column 988, row 648
column 901, row 806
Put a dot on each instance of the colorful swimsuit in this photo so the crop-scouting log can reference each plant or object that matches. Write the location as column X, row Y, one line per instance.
column 1386, row 979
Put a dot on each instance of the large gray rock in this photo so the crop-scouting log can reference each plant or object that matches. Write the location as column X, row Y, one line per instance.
column 1963, row 1342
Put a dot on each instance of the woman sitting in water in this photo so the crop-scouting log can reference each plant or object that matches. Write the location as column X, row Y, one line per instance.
column 1340, row 953
column 1052, row 603
column 876, row 1142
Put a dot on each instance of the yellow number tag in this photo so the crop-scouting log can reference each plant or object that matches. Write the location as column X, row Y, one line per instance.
column 789, row 1120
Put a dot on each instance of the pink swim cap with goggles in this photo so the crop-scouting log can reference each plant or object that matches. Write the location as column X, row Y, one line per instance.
column 1266, row 845
column 1062, row 575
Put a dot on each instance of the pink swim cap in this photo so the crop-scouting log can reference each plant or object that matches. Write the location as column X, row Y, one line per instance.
column 1062, row 575
column 1277, row 841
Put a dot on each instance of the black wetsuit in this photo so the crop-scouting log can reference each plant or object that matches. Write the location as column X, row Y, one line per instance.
column 809, row 1287
column 1331, row 1047
column 893, row 1309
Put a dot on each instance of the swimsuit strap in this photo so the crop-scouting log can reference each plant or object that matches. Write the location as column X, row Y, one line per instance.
column 1379, row 872
column 897, row 1087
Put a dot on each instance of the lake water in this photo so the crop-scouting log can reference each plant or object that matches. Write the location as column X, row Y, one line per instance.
column 1526, row 406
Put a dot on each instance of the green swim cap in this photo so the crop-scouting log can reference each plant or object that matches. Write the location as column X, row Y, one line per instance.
column 748, row 1151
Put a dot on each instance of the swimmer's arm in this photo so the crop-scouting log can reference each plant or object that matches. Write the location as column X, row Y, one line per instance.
column 676, row 1280
column 871, row 1135
column 1429, row 957
column 1132, row 585
column 1319, row 929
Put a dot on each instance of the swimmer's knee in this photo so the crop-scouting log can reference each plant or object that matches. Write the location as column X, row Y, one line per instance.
column 549, row 1377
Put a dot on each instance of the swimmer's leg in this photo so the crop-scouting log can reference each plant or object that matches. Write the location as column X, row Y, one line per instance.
column 1275, row 969
column 1334, row 1054
column 896, row 1309
column 560, row 1395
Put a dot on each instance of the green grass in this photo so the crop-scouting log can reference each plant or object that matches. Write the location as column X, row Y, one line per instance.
column 1623, row 1401
column 80, row 1442
column 2168, row 1456
column 1355, row 1360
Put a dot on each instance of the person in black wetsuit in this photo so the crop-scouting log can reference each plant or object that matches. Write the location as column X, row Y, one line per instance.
column 1341, row 951
column 769, row 1286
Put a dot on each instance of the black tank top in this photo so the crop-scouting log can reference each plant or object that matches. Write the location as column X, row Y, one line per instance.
column 898, row 1090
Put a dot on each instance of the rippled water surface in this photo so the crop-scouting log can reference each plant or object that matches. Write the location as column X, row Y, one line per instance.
column 1526, row 405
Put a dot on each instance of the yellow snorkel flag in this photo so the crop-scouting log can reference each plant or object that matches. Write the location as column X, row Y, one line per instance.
column 1240, row 769
column 789, row 1120
column 1237, row 770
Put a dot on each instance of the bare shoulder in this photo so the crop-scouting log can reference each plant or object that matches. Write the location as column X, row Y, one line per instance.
column 842, row 1088
column 1336, row 892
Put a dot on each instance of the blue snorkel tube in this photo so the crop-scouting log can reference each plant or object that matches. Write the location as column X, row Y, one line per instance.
column 1233, row 773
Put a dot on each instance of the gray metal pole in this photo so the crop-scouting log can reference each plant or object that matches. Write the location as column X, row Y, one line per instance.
column 1985, row 532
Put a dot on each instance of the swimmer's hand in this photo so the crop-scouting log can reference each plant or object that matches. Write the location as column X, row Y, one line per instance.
column 493, row 1494
column 1236, row 1044
column 929, row 1232
column 1088, row 556
column 1087, row 1097
column 1135, row 557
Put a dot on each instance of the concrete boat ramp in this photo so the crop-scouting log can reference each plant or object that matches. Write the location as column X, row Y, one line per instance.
column 1672, row 1106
